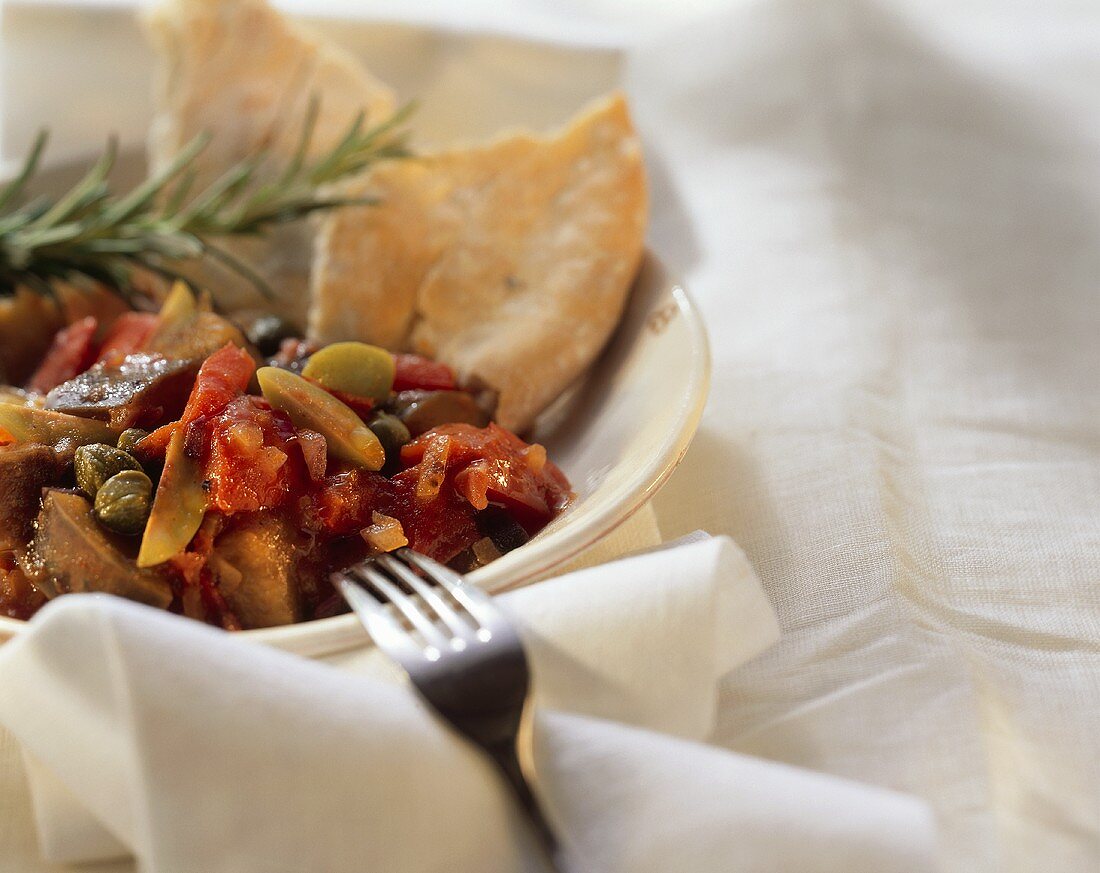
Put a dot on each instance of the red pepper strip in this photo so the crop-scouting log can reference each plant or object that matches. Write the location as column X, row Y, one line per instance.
column 414, row 372
column 127, row 335
column 223, row 377
column 72, row 352
column 363, row 406
column 156, row 444
column 493, row 465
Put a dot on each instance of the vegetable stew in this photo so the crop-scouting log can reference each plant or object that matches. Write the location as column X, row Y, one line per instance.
column 223, row 471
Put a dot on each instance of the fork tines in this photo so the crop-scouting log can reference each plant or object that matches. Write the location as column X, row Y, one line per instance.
column 431, row 599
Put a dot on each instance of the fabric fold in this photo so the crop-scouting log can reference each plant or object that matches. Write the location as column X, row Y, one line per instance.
column 198, row 750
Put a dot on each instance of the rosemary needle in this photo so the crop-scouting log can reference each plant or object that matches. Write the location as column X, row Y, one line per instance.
column 91, row 232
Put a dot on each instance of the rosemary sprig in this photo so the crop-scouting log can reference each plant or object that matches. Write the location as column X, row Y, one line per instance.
column 91, row 232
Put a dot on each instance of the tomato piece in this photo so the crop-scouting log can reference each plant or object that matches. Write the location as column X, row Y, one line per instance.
column 414, row 372
column 451, row 473
column 346, row 502
column 441, row 527
column 72, row 352
column 254, row 459
column 223, row 377
column 470, row 443
column 127, row 335
column 492, row 465
column 156, row 444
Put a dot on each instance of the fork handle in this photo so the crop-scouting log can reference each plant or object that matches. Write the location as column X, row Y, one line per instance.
column 507, row 759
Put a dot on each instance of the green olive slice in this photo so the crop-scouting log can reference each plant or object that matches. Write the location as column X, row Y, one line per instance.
column 178, row 509
column 31, row 425
column 310, row 406
column 353, row 368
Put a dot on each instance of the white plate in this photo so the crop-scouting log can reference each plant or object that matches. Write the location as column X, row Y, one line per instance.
column 618, row 435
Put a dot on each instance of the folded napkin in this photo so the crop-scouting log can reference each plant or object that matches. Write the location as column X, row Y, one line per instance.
column 196, row 750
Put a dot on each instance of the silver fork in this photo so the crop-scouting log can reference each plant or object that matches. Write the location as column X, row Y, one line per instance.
column 463, row 656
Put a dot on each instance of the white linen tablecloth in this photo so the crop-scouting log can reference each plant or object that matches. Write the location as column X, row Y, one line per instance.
column 896, row 237
column 890, row 213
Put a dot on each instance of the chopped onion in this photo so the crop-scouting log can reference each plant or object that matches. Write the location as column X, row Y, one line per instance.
column 246, row 437
column 433, row 469
column 315, row 451
column 385, row 534
column 536, row 457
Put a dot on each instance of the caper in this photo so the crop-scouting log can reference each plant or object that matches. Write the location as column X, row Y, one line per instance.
column 391, row 433
column 97, row 463
column 129, row 438
column 123, row 502
column 353, row 368
column 267, row 332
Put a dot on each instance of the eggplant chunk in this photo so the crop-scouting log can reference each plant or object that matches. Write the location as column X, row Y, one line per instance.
column 72, row 552
column 28, row 322
column 144, row 388
column 423, row 410
column 24, row 471
column 256, row 565
column 197, row 338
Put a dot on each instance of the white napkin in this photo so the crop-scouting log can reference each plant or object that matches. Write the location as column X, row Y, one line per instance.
column 198, row 751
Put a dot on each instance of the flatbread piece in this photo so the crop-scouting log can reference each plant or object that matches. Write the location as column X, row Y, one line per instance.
column 511, row 261
column 243, row 72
